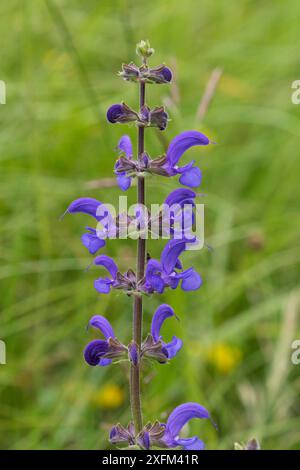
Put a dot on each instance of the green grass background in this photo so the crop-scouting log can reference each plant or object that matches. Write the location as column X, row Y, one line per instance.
column 59, row 59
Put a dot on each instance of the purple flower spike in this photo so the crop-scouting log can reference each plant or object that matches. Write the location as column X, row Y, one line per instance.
column 177, row 419
column 100, row 352
column 162, row 313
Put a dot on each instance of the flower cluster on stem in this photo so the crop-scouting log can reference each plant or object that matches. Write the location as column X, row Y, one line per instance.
column 152, row 275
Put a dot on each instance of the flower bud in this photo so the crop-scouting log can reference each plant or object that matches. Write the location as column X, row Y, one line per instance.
column 130, row 72
column 159, row 118
column 133, row 353
column 154, row 350
column 155, row 118
column 119, row 434
column 144, row 50
column 159, row 74
column 121, row 113
column 151, row 435
column 252, row 444
column 145, row 115
column 144, row 440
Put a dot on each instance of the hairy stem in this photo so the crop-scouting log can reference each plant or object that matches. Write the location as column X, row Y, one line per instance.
column 135, row 392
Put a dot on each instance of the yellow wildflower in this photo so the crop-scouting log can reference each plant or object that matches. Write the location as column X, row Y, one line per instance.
column 224, row 357
column 110, row 396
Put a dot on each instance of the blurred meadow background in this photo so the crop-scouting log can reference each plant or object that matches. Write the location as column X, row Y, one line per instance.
column 59, row 59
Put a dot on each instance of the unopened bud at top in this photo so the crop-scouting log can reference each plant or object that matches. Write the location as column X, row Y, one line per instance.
column 144, row 50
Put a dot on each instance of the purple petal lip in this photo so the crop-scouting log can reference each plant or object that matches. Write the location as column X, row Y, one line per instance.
column 173, row 347
column 192, row 282
column 114, row 112
column 91, row 241
column 103, row 285
column 124, row 181
column 191, row 177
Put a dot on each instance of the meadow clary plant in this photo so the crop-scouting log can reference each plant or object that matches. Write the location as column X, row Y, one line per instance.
column 152, row 275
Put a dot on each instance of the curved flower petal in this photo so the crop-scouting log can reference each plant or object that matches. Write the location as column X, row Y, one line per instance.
column 163, row 312
column 124, row 181
column 91, row 241
column 103, row 285
column 171, row 253
column 182, row 414
column 108, row 263
column 191, row 177
column 173, row 347
column 100, row 322
column 191, row 443
column 182, row 142
column 191, row 282
column 180, row 196
column 114, row 113
column 94, row 351
column 86, row 205
column 125, row 146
